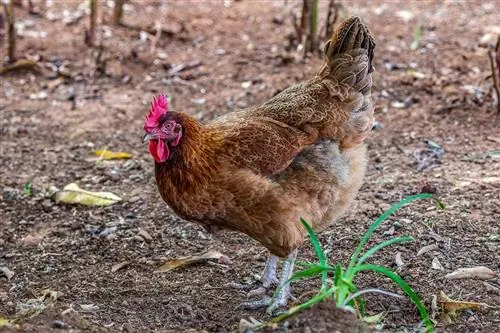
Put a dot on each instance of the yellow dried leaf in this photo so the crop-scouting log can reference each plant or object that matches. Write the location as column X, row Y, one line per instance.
column 111, row 155
column 451, row 307
column 72, row 194
column 175, row 263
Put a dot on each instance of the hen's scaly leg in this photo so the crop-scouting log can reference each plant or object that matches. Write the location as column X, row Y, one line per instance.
column 283, row 295
column 268, row 277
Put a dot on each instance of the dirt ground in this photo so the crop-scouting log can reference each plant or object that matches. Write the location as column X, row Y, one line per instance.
column 49, row 127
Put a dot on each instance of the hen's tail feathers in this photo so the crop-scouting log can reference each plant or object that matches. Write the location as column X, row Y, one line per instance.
column 348, row 65
column 349, row 55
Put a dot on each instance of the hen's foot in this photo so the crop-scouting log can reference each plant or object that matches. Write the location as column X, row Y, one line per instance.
column 283, row 295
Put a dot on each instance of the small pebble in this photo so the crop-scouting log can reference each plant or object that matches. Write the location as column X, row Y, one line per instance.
column 58, row 324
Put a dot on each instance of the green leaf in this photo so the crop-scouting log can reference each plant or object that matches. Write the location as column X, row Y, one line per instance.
column 376, row 224
column 376, row 248
column 28, row 189
column 404, row 286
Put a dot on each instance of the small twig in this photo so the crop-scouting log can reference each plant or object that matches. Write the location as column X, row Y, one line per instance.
column 333, row 9
column 90, row 35
column 118, row 12
column 11, row 30
column 174, row 71
column 495, row 76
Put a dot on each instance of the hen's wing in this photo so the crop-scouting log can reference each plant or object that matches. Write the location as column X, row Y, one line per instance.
column 261, row 144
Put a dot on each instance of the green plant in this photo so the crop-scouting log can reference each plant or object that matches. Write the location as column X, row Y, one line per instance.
column 342, row 288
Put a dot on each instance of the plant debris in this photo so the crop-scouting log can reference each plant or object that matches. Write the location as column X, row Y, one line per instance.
column 72, row 194
column 111, row 155
column 176, row 263
column 478, row 273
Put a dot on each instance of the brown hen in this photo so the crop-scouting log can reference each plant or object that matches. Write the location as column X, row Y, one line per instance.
column 258, row 171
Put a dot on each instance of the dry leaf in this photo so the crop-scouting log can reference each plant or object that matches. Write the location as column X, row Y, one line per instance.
column 175, row 263
column 119, row 266
column 111, row 155
column 479, row 273
column 7, row 272
column 451, row 307
column 399, row 260
column 437, row 265
column 72, row 194
column 427, row 248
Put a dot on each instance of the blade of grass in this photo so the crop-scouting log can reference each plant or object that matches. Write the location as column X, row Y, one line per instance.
column 375, row 225
column 378, row 247
column 404, row 286
column 317, row 248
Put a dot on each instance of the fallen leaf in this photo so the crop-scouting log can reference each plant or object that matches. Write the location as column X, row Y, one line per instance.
column 111, row 155
column 119, row 266
column 72, row 194
column 437, row 265
column 478, row 273
column 175, row 263
column 399, row 261
column 7, row 272
column 451, row 307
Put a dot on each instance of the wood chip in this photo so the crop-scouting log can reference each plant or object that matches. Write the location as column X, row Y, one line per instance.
column 477, row 273
column 427, row 248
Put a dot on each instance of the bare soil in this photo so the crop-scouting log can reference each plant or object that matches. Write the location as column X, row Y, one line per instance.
column 49, row 127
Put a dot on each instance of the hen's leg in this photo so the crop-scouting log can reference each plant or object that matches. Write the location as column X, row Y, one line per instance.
column 268, row 277
column 283, row 295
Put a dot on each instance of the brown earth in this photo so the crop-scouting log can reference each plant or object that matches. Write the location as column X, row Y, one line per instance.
column 48, row 128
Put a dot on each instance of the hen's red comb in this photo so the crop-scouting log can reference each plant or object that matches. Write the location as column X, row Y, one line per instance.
column 159, row 106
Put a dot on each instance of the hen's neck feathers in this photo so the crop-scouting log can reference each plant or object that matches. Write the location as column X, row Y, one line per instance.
column 193, row 160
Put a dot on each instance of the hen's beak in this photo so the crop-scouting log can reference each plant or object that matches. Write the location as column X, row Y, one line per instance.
column 147, row 137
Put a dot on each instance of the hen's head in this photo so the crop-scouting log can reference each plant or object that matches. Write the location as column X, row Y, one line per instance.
column 162, row 130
